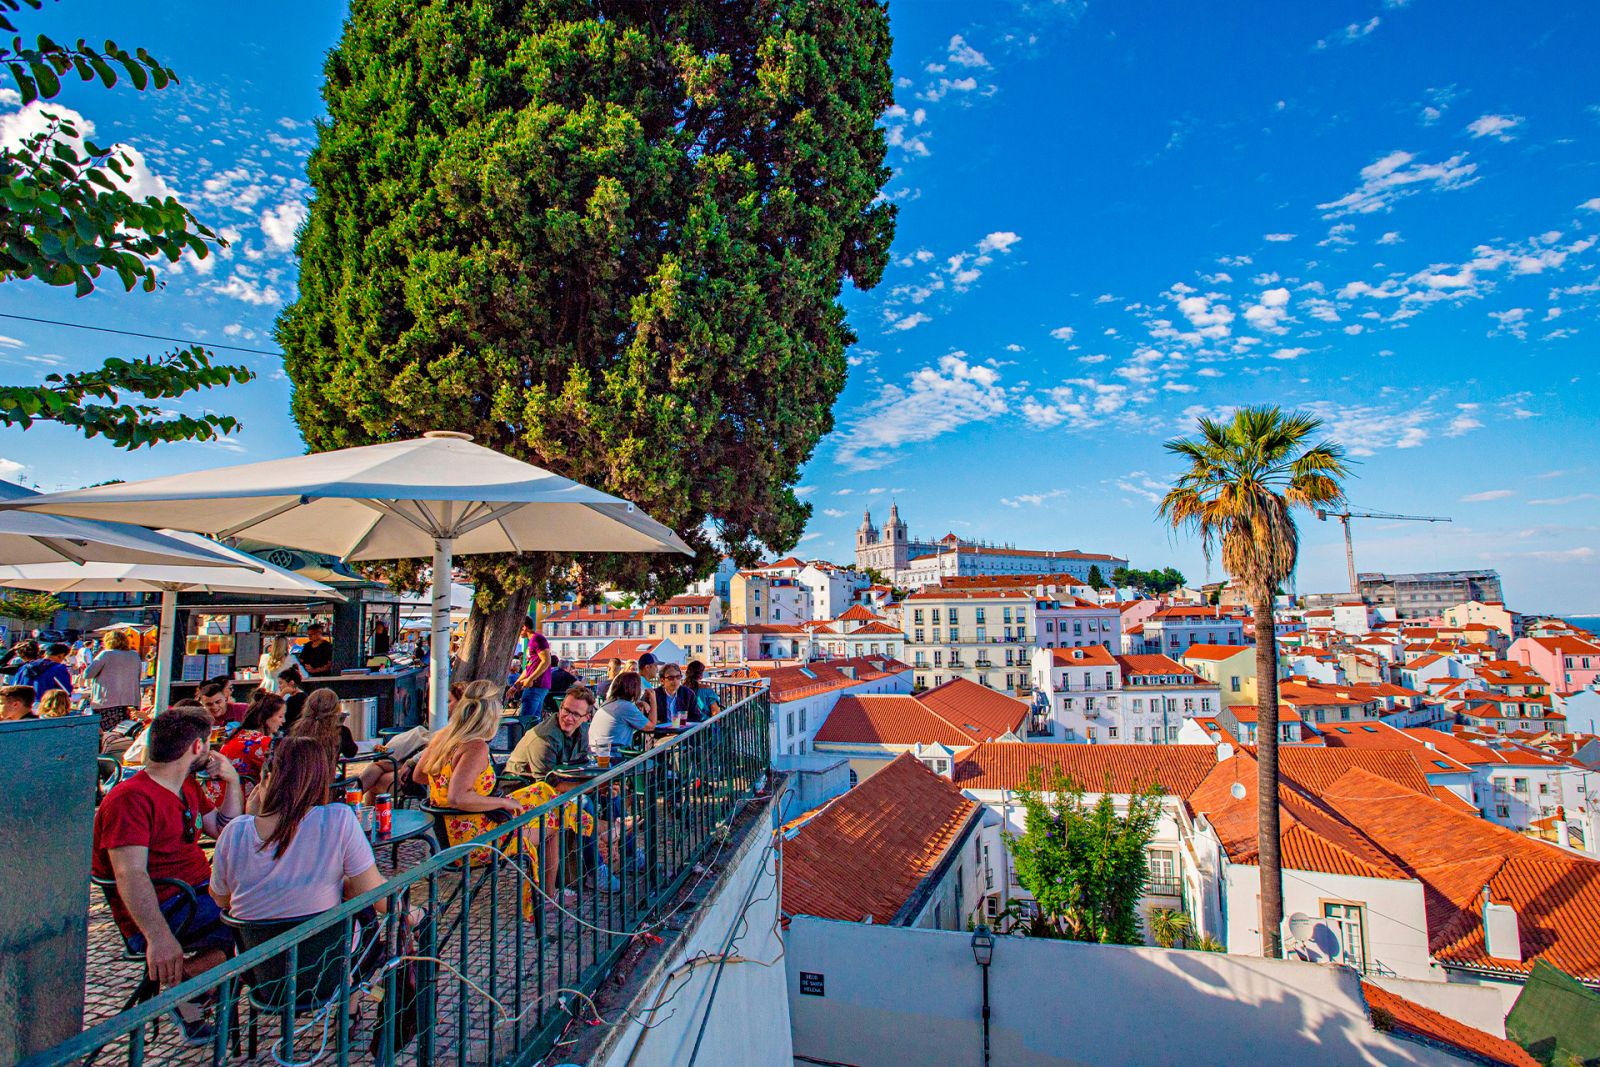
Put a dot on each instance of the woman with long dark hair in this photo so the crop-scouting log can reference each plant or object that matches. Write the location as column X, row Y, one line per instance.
column 298, row 854
column 248, row 746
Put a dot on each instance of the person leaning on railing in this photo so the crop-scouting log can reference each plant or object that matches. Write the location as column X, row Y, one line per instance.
column 149, row 827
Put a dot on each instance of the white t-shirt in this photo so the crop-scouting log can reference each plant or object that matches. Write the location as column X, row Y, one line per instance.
column 308, row 879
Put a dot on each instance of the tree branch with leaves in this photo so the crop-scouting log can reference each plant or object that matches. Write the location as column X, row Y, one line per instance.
column 67, row 219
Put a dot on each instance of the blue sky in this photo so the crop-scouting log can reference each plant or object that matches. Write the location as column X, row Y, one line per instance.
column 1112, row 217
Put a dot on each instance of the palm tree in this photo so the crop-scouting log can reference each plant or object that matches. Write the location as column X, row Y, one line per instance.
column 1245, row 478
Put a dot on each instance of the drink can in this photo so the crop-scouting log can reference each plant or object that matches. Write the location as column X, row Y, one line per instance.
column 352, row 796
column 385, row 810
column 365, row 819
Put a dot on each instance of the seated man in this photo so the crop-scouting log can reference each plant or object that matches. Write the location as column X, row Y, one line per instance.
column 559, row 740
column 214, row 698
column 149, row 827
column 16, row 702
column 561, row 679
column 236, row 709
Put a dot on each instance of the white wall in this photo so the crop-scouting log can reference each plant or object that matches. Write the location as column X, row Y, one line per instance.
column 897, row 997
column 749, row 1018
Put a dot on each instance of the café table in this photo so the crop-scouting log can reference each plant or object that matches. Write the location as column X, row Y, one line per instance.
column 405, row 825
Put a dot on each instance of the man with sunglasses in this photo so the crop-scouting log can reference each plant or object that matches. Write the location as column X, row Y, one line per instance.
column 148, row 828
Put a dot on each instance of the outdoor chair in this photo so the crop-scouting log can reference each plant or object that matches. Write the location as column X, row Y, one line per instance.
column 148, row 987
column 109, row 773
column 313, row 985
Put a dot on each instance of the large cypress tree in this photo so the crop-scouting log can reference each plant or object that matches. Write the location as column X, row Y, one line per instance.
column 608, row 237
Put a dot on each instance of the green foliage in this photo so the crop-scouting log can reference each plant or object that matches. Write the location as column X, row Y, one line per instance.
column 1096, row 579
column 66, row 219
column 1085, row 864
column 1209, row 944
column 607, row 238
column 36, row 608
column 1154, row 582
column 1171, row 927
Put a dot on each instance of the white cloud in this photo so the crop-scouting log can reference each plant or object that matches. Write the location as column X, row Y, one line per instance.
column 9, row 342
column 241, row 288
column 1488, row 495
column 1364, row 429
column 1391, row 238
column 1288, row 353
column 934, row 401
column 1512, row 321
column 1591, row 205
column 1352, row 33
column 1559, row 501
column 11, row 470
column 1032, row 499
column 833, row 513
column 1396, row 175
column 1140, row 484
column 963, row 54
column 1497, row 126
column 1013, row 347
column 18, row 126
column 280, row 223
column 1465, row 421
column 911, row 321
column 944, row 86
column 1278, row 237
column 1210, row 320
column 1063, row 333
column 1268, row 314
column 999, row 241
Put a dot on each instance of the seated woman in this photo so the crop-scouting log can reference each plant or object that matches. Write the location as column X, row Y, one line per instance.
column 248, row 746
column 694, row 681
column 299, row 855
column 323, row 721
column 458, row 774
column 55, row 704
column 403, row 750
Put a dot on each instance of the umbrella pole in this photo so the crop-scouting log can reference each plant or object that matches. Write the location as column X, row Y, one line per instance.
column 439, row 648
column 164, row 647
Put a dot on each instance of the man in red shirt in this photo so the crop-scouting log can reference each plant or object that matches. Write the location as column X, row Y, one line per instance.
column 149, row 827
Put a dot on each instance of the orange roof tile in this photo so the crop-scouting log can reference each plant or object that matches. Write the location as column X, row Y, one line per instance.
column 1215, row 652
column 857, row 612
column 1454, row 855
column 868, row 852
column 959, row 713
column 820, row 676
column 877, row 626
column 1154, row 664
column 1177, row 769
column 1391, row 1011
column 1084, row 656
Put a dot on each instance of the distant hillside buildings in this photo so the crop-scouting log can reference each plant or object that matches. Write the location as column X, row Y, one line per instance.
column 912, row 564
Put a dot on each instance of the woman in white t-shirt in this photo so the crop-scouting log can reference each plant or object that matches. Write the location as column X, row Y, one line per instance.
column 299, row 855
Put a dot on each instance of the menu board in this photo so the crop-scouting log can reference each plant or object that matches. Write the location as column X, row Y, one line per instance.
column 194, row 668
column 216, row 666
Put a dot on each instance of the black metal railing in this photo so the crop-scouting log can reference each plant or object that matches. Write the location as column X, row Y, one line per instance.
column 488, row 951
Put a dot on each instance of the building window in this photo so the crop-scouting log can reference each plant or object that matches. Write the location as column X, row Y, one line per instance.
column 1111, row 732
column 1349, row 924
column 1233, row 683
column 1138, row 733
column 1088, row 731
column 1163, row 871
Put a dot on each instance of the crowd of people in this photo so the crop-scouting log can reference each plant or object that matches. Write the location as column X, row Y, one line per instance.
column 258, row 778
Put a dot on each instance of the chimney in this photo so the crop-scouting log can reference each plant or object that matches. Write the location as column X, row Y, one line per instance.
column 1224, row 752
column 1501, row 936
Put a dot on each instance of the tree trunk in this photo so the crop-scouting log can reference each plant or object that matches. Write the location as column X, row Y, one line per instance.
column 1267, row 777
column 491, row 638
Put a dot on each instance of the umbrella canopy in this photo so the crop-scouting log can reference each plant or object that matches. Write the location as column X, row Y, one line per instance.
column 437, row 495
column 239, row 572
column 27, row 538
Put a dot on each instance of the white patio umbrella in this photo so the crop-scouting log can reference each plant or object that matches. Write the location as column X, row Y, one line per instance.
column 31, row 538
column 239, row 573
column 438, row 495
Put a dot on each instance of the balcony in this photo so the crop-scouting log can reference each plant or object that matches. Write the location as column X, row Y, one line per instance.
column 1163, row 887
column 498, row 972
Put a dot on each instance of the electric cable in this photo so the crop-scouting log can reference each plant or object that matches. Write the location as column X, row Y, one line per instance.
column 136, row 333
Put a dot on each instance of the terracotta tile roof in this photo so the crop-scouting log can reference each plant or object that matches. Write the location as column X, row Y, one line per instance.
column 1177, row 769
column 1395, row 1013
column 773, row 628
column 1252, row 712
column 958, row 713
column 1454, row 855
column 1312, row 838
column 1215, row 652
column 1179, row 613
column 1566, row 645
column 821, row 676
column 1380, row 735
column 594, row 614
column 1450, row 799
column 1086, row 656
column 1314, row 769
column 1149, row 665
column 1314, row 695
column 785, row 563
column 877, row 626
column 857, row 613
column 867, row 852
column 624, row 648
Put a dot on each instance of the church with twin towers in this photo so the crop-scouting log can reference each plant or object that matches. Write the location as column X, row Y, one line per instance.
column 909, row 563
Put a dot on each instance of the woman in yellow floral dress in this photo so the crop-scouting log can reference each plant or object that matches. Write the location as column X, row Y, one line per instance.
column 458, row 774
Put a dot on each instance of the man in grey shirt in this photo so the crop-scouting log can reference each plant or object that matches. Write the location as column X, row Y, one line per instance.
column 560, row 740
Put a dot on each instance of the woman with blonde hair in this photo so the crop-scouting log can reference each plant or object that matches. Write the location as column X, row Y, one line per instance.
column 275, row 659
column 113, row 677
column 54, row 704
column 322, row 720
column 458, row 774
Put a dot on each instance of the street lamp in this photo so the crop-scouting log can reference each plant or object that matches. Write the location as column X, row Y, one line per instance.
column 983, row 954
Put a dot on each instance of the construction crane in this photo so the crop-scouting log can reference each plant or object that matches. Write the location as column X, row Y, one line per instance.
column 1344, row 517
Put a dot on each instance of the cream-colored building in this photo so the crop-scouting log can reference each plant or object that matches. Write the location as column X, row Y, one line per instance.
column 1485, row 613
column 982, row 635
column 687, row 621
column 1231, row 668
column 757, row 598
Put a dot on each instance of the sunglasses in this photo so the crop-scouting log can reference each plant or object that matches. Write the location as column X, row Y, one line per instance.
column 191, row 825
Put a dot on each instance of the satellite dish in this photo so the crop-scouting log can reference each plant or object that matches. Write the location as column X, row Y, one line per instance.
column 1301, row 925
column 1238, row 791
